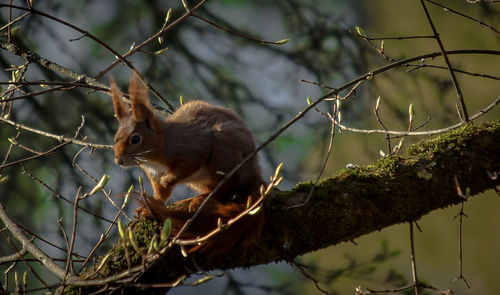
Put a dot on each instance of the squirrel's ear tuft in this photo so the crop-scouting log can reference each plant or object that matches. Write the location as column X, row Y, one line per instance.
column 141, row 108
column 116, row 96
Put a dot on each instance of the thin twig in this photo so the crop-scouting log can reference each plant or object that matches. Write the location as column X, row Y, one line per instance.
column 253, row 208
column 36, row 156
column 28, row 231
column 102, row 238
column 413, row 260
column 379, row 120
column 30, row 247
column 394, row 38
column 381, row 49
column 334, row 115
column 465, row 16
column 97, row 40
column 460, row 216
column 198, row 240
column 348, row 94
column 239, row 34
column 69, row 263
column 23, row 259
column 13, row 257
column 315, row 83
column 33, row 94
column 420, row 133
column 66, row 240
column 33, row 57
column 10, row 149
column 151, row 39
column 315, row 281
column 95, row 180
column 473, row 74
column 460, row 247
column 59, row 196
column 448, row 63
column 13, row 22
column 60, row 138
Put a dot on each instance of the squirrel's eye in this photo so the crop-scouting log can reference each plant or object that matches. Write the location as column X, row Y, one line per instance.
column 135, row 139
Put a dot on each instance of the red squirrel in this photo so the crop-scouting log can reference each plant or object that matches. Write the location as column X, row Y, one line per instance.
column 196, row 145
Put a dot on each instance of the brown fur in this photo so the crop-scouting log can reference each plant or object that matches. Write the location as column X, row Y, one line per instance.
column 196, row 145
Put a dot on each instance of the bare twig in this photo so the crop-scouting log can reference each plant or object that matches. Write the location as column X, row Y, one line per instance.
column 23, row 259
column 52, row 150
column 95, row 180
column 60, row 138
column 97, row 40
column 465, row 16
column 420, row 133
column 460, row 216
column 10, row 149
column 38, row 237
column 239, row 34
column 151, row 39
column 379, row 120
column 33, row 57
column 334, row 116
column 11, row 22
column 394, row 38
column 315, row 281
column 252, row 208
column 37, row 155
column 102, row 238
column 69, row 263
column 448, row 63
column 413, row 260
column 59, row 196
column 13, row 257
column 473, row 74
column 66, row 240
column 30, row 247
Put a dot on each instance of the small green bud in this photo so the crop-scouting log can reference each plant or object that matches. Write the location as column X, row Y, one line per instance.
column 100, row 185
column 133, row 241
column 360, row 31
column 203, row 280
column 281, row 42
column 166, row 230
column 158, row 52
column 121, row 229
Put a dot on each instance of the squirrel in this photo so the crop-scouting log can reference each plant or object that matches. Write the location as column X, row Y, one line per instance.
column 196, row 145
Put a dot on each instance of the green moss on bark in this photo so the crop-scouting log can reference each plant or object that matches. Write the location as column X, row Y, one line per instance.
column 349, row 204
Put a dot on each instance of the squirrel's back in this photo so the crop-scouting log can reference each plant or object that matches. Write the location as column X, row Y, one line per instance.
column 201, row 113
column 231, row 140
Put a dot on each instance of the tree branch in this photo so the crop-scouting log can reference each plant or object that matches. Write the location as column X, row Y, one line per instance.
column 30, row 247
column 348, row 205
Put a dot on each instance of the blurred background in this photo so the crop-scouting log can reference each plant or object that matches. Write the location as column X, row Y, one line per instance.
column 262, row 83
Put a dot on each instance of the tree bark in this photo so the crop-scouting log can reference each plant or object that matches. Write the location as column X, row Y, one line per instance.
column 395, row 189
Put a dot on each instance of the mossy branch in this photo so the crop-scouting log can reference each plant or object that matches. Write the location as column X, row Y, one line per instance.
column 352, row 203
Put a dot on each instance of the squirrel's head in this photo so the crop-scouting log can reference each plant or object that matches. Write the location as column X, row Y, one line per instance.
column 135, row 138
